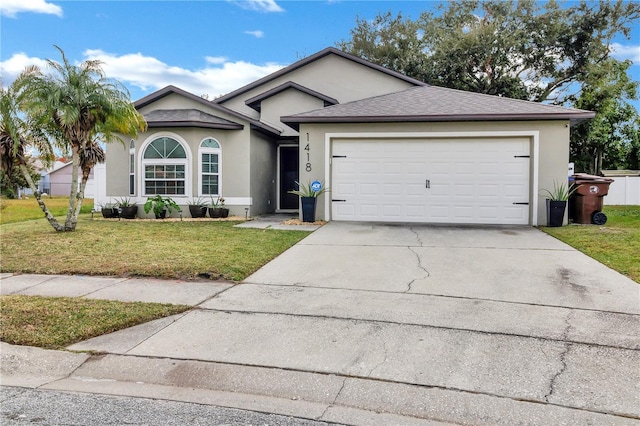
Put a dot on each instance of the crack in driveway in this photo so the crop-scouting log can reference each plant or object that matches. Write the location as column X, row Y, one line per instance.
column 421, row 266
column 563, row 355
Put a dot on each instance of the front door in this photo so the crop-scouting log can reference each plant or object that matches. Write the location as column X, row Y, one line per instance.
column 288, row 177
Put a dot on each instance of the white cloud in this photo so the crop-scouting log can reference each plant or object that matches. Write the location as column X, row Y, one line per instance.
column 215, row 59
column 256, row 33
column 626, row 52
column 218, row 77
column 10, row 8
column 12, row 67
column 259, row 5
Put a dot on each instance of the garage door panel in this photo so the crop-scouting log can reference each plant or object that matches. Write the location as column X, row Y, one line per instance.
column 469, row 181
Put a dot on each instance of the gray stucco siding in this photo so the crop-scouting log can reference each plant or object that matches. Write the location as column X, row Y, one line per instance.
column 552, row 139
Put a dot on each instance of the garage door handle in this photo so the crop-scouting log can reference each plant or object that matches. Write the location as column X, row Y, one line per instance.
column 338, row 201
column 520, row 204
column 427, row 184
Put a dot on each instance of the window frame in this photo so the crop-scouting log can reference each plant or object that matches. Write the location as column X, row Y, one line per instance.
column 132, row 168
column 208, row 150
column 186, row 162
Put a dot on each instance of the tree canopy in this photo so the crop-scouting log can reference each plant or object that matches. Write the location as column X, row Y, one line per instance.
column 72, row 108
column 519, row 49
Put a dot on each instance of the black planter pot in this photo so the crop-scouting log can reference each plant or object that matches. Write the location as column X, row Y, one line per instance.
column 308, row 209
column 128, row 212
column 109, row 212
column 162, row 214
column 218, row 212
column 197, row 211
column 555, row 212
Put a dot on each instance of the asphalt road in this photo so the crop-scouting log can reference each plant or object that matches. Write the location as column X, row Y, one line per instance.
column 21, row 406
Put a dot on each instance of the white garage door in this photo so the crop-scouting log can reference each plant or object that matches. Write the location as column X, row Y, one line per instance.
column 484, row 181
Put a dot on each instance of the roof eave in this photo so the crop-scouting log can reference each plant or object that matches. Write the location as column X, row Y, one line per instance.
column 197, row 124
column 574, row 118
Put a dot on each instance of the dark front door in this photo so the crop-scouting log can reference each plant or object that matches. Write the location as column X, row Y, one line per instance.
column 288, row 177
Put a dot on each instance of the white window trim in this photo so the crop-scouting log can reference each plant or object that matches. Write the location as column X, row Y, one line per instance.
column 209, row 151
column 132, row 151
column 187, row 163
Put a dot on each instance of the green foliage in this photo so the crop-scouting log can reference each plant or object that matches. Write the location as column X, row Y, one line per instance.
column 560, row 192
column 76, row 107
column 524, row 50
column 519, row 49
column 197, row 202
column 217, row 203
column 158, row 204
column 610, row 140
column 10, row 182
column 306, row 191
column 125, row 202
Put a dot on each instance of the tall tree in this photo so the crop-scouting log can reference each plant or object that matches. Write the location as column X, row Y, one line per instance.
column 18, row 132
column 78, row 105
column 610, row 140
column 525, row 50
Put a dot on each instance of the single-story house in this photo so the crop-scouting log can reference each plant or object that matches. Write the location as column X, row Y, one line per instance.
column 57, row 181
column 389, row 147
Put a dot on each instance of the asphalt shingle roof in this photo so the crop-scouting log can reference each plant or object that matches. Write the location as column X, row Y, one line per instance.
column 432, row 103
column 188, row 117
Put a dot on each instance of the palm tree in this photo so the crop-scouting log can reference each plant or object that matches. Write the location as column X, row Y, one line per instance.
column 18, row 132
column 74, row 104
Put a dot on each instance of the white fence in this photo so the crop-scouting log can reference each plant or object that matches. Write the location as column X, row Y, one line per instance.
column 624, row 190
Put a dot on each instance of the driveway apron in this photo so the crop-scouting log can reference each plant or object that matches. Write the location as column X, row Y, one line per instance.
column 474, row 325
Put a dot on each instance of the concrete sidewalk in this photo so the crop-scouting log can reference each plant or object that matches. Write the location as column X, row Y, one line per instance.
column 375, row 324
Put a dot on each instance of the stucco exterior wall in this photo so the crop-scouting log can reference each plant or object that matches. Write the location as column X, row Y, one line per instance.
column 288, row 102
column 263, row 175
column 331, row 75
column 553, row 150
column 235, row 168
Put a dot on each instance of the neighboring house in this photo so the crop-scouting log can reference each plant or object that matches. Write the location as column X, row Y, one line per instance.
column 389, row 147
column 57, row 182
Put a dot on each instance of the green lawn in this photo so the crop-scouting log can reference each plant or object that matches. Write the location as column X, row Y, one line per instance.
column 57, row 322
column 163, row 249
column 12, row 211
column 616, row 244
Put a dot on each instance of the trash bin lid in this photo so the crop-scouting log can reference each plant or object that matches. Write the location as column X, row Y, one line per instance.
column 586, row 178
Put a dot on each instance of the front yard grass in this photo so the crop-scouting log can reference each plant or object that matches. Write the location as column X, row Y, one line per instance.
column 616, row 244
column 19, row 210
column 57, row 322
column 162, row 249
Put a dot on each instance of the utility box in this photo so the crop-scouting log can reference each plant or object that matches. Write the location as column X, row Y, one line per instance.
column 587, row 200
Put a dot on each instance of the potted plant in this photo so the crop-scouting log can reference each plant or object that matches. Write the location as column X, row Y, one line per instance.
column 217, row 208
column 109, row 210
column 197, row 207
column 127, row 208
column 160, row 205
column 308, row 194
column 557, row 202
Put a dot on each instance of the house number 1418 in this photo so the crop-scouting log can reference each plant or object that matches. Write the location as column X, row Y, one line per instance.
column 308, row 165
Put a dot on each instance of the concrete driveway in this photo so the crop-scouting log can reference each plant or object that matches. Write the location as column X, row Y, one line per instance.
column 367, row 323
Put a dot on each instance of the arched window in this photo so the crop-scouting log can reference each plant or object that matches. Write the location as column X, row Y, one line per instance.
column 165, row 167
column 210, row 161
column 132, row 167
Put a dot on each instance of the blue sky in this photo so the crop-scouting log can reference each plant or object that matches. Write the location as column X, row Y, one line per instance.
column 206, row 47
